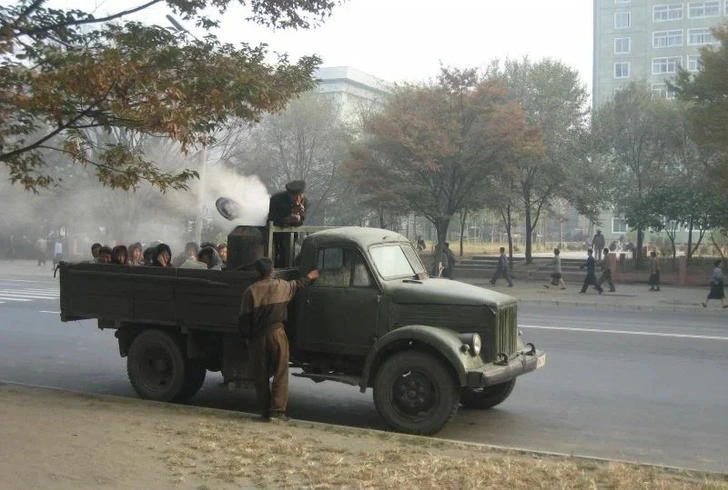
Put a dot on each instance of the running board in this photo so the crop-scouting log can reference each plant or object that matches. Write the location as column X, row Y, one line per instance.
column 318, row 378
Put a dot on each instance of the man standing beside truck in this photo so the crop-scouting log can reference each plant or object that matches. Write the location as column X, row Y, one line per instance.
column 262, row 313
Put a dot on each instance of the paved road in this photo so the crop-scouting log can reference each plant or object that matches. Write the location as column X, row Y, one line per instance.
column 647, row 386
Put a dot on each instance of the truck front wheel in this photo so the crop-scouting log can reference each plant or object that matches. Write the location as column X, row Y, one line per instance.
column 156, row 366
column 415, row 393
column 488, row 397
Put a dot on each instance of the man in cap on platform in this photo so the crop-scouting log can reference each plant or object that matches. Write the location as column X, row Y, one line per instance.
column 287, row 208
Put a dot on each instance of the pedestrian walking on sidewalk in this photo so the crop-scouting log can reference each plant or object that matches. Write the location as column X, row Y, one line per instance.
column 591, row 274
column 502, row 269
column 716, row 286
column 557, row 277
column 606, row 272
column 654, row 280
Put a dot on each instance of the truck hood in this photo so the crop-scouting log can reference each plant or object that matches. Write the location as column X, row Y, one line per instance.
column 445, row 292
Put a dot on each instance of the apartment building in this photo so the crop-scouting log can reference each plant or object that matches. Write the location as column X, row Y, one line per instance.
column 648, row 40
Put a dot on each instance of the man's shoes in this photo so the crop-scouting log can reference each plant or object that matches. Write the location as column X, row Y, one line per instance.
column 562, row 287
column 547, row 286
column 510, row 285
column 705, row 305
column 279, row 417
column 612, row 290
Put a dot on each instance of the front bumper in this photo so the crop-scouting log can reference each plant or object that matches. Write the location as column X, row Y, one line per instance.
column 493, row 374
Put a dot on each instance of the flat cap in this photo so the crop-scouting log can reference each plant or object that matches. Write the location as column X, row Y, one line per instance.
column 296, row 186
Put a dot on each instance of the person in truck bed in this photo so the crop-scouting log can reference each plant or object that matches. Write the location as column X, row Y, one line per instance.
column 263, row 310
column 162, row 256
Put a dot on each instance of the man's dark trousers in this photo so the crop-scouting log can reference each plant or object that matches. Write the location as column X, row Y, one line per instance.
column 269, row 357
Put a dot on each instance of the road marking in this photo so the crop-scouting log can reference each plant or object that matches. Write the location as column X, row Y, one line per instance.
column 627, row 332
column 31, row 296
column 54, row 312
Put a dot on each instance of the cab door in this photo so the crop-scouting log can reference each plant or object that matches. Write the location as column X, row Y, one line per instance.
column 341, row 308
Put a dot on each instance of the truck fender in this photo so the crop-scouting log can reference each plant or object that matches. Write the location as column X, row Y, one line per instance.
column 444, row 342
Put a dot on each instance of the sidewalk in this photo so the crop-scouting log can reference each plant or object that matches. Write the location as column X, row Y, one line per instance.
column 68, row 440
column 627, row 297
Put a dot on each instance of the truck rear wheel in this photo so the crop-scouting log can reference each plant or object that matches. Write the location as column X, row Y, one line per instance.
column 156, row 366
column 415, row 393
column 195, row 373
column 487, row 397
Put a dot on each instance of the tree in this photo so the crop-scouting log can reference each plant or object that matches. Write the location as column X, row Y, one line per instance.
column 63, row 71
column 305, row 141
column 707, row 93
column 634, row 139
column 434, row 145
column 555, row 102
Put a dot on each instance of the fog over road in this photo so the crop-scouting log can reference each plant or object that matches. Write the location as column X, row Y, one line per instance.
column 647, row 386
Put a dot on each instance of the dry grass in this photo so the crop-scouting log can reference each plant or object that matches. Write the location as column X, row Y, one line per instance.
column 292, row 457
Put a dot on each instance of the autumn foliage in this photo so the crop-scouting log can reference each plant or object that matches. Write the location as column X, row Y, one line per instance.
column 65, row 72
column 437, row 147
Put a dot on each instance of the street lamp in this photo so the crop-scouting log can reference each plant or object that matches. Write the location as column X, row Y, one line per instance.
column 203, row 154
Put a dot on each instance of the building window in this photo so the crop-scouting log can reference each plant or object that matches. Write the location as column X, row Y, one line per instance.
column 661, row 66
column 664, row 13
column 662, row 91
column 622, row 1
column 621, row 70
column 622, row 45
column 667, row 39
column 622, row 20
column 697, row 10
column 693, row 62
column 619, row 225
column 700, row 37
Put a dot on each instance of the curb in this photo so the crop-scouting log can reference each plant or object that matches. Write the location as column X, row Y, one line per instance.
column 359, row 431
column 607, row 306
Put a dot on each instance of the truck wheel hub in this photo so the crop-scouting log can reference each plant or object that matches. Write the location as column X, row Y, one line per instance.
column 413, row 393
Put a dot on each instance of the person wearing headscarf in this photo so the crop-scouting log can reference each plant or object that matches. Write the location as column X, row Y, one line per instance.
column 119, row 255
column 162, row 256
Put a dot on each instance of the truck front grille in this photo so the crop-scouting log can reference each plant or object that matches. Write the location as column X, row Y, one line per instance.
column 506, row 335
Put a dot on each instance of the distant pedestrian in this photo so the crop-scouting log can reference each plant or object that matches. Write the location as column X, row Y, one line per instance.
column 606, row 272
column 654, row 280
column 716, row 286
column 598, row 244
column 502, row 269
column 557, row 277
column 449, row 271
column 591, row 274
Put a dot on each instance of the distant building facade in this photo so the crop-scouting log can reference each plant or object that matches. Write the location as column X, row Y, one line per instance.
column 648, row 40
column 352, row 90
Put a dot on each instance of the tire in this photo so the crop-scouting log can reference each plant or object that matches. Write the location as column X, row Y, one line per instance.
column 195, row 373
column 416, row 393
column 156, row 366
column 488, row 397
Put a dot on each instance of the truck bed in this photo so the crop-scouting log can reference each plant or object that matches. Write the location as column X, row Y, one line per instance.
column 195, row 298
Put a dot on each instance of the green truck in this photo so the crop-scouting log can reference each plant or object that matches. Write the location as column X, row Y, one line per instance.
column 374, row 319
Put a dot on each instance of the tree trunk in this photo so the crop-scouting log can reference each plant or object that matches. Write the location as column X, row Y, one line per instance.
column 463, row 217
column 529, row 237
column 638, row 250
column 689, row 252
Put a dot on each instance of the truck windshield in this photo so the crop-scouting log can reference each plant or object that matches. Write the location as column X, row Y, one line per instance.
column 392, row 261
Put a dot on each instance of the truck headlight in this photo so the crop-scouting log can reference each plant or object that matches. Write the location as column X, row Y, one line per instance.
column 471, row 343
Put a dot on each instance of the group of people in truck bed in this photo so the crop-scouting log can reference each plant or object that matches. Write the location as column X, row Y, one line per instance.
column 206, row 256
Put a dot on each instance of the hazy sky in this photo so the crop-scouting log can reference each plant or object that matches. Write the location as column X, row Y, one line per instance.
column 407, row 39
